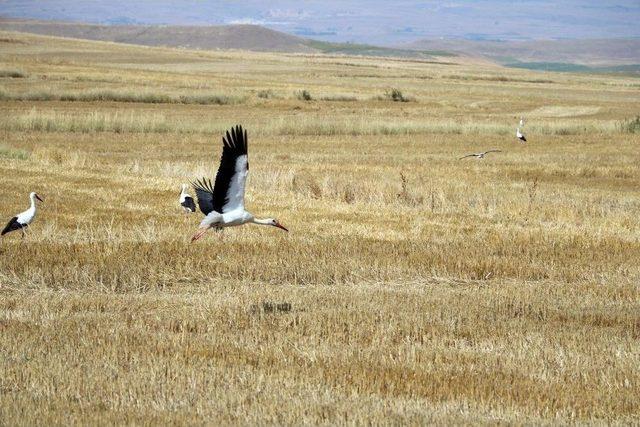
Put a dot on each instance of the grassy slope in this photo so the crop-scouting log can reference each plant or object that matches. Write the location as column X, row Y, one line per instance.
column 251, row 37
column 576, row 68
column 591, row 52
column 369, row 50
column 589, row 56
column 423, row 288
column 617, row 56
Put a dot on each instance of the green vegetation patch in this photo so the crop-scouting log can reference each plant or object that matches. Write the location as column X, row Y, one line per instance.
column 370, row 50
column 631, row 125
column 11, row 153
column 576, row 68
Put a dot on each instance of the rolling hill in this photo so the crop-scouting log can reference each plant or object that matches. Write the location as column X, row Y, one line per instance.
column 241, row 36
column 247, row 37
column 376, row 22
column 588, row 52
column 595, row 55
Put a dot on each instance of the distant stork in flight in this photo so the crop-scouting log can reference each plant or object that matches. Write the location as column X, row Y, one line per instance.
column 479, row 155
column 520, row 136
column 22, row 220
column 186, row 201
column 223, row 205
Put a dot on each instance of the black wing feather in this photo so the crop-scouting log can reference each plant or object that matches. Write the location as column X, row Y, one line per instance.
column 213, row 198
column 189, row 203
column 12, row 226
column 204, row 192
column 234, row 146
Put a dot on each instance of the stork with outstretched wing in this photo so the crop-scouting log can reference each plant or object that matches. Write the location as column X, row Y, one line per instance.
column 480, row 155
column 223, row 204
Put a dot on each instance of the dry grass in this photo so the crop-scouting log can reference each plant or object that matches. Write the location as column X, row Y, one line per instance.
column 122, row 96
column 413, row 288
column 350, row 124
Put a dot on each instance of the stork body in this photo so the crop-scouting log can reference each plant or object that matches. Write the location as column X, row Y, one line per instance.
column 186, row 201
column 223, row 204
column 521, row 121
column 480, row 155
column 23, row 219
column 520, row 136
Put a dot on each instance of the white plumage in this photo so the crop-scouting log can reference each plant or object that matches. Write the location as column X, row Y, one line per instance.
column 235, row 192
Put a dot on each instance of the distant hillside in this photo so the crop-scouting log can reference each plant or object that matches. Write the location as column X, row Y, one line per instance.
column 376, row 22
column 248, row 37
column 593, row 53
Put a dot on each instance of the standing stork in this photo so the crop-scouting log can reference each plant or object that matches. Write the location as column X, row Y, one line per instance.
column 22, row 220
column 223, row 205
column 520, row 136
column 186, row 201
column 521, row 121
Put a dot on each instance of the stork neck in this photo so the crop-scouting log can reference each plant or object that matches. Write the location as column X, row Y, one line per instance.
column 266, row 221
column 33, row 202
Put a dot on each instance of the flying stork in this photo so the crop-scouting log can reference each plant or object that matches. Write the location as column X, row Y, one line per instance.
column 520, row 136
column 223, row 204
column 22, row 220
column 479, row 155
column 186, row 201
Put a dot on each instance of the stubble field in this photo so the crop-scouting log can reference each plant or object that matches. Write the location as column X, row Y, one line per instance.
column 412, row 287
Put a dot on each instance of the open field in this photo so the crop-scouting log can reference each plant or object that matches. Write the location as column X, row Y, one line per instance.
column 422, row 288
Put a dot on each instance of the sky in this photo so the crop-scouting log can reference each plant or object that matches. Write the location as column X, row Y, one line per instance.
column 382, row 22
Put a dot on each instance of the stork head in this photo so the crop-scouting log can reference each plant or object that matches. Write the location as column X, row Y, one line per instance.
column 35, row 196
column 274, row 222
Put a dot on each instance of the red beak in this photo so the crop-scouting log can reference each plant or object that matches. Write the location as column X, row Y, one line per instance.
column 199, row 234
column 282, row 227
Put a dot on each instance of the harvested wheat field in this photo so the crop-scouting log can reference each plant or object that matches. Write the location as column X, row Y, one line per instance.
column 412, row 288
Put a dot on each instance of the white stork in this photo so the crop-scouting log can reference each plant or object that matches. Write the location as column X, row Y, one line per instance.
column 521, row 121
column 520, row 136
column 479, row 155
column 186, row 201
column 223, row 204
column 22, row 220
